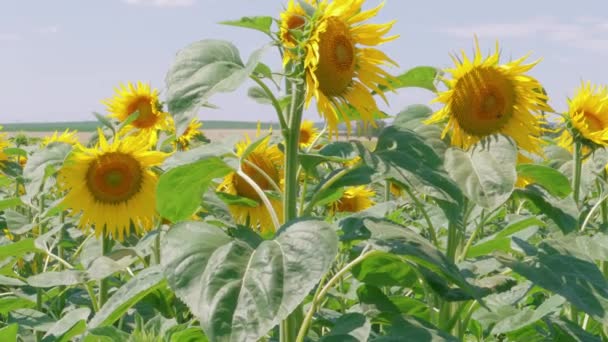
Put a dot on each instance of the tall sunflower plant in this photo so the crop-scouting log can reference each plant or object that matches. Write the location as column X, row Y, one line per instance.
column 477, row 217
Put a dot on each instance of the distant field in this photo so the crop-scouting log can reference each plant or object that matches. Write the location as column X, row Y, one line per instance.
column 91, row 126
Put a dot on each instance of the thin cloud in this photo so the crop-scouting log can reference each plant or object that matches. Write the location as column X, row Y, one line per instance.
column 162, row 3
column 589, row 33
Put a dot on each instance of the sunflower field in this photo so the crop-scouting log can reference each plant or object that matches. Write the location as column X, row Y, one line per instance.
column 483, row 220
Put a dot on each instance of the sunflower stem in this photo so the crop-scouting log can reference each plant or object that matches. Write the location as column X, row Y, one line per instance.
column 577, row 167
column 106, row 247
column 387, row 190
column 604, row 208
column 273, row 99
column 157, row 244
column 288, row 327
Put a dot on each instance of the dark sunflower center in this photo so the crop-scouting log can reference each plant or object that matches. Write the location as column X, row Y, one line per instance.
column 483, row 101
column 147, row 117
column 304, row 136
column 594, row 122
column 114, row 177
column 263, row 163
column 336, row 67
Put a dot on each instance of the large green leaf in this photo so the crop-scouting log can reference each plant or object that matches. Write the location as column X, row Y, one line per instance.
column 549, row 178
column 402, row 155
column 180, row 190
column 572, row 276
column 351, row 326
column 128, row 295
column 201, row 70
column 391, row 238
column 562, row 211
column 9, row 203
column 9, row 304
column 56, row 278
column 16, row 249
column 412, row 329
column 501, row 241
column 237, row 292
column 9, row 332
column 67, row 324
column 36, row 169
column 486, row 173
column 256, row 23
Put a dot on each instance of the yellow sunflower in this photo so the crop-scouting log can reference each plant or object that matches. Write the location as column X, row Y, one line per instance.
column 269, row 159
column 65, row 137
column 3, row 144
column 308, row 133
column 139, row 98
column 112, row 185
column 339, row 72
column 587, row 117
column 354, row 199
column 293, row 18
column 191, row 132
column 485, row 97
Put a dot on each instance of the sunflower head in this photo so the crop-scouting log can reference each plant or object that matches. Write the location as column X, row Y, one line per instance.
column 587, row 118
column 264, row 165
column 342, row 66
column 112, row 185
column 137, row 98
column 485, row 98
column 294, row 18
column 65, row 137
column 308, row 133
column 3, row 145
column 354, row 199
column 192, row 131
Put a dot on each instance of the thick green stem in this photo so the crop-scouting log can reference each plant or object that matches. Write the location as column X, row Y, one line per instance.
column 289, row 326
column 604, row 206
column 577, row 167
column 39, row 261
column 157, row 246
column 106, row 247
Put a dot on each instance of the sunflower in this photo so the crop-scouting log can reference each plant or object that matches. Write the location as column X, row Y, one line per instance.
column 293, row 18
column 112, row 185
column 191, row 132
column 587, row 117
column 65, row 137
column 354, row 199
column 485, row 97
column 3, row 144
column 139, row 98
column 308, row 133
column 339, row 73
column 269, row 159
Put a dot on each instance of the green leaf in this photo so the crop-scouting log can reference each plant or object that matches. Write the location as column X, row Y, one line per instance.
column 572, row 276
column 262, row 24
column 9, row 203
column 9, row 332
column 237, row 292
column 31, row 319
column 350, row 326
column 35, row 169
column 568, row 331
column 72, row 319
column 17, row 249
column 509, row 318
column 563, row 212
column 15, row 151
column 9, row 304
column 419, row 77
column 212, row 149
column 403, row 156
column 413, row 329
column 106, row 334
column 180, row 190
column 385, row 270
column 201, row 70
column 145, row 282
column 501, row 241
column 549, row 178
column 237, row 200
column 398, row 240
column 8, row 281
column 486, row 173
column 54, row 278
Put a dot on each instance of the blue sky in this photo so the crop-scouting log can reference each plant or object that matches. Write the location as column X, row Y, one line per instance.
column 60, row 58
